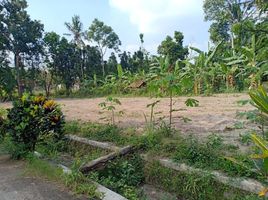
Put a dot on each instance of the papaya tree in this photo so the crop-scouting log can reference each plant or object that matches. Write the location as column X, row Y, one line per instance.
column 168, row 80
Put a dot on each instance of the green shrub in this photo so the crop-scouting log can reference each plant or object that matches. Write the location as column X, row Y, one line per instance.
column 123, row 176
column 31, row 120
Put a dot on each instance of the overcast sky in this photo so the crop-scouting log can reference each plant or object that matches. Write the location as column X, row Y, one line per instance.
column 155, row 18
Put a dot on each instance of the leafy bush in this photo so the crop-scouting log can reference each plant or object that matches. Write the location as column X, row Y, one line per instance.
column 123, row 176
column 31, row 120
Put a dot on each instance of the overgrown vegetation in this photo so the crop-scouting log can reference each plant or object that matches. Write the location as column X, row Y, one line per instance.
column 211, row 154
column 123, row 175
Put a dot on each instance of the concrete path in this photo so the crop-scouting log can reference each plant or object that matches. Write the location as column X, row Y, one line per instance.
column 13, row 186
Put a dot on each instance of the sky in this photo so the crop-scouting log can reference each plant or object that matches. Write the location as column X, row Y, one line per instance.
column 154, row 18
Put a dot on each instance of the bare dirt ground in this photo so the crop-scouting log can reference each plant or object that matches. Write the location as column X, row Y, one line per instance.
column 215, row 114
column 15, row 186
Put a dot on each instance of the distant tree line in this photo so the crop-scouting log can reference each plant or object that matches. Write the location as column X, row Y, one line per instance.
column 33, row 60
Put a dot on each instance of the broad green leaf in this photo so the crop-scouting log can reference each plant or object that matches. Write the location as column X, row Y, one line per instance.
column 191, row 102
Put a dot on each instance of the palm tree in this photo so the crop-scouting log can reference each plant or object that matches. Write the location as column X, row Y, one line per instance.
column 76, row 29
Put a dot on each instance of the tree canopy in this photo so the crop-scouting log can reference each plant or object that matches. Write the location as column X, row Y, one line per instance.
column 173, row 47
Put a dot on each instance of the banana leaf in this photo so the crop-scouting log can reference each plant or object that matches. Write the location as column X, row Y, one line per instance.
column 260, row 99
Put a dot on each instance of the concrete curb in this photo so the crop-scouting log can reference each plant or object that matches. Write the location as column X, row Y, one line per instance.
column 246, row 184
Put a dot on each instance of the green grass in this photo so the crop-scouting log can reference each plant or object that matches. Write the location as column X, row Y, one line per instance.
column 41, row 169
column 75, row 181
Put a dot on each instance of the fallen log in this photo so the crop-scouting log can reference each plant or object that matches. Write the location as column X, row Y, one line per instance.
column 102, row 145
column 102, row 161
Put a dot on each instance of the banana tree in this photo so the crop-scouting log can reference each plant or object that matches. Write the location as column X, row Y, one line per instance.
column 228, row 74
column 195, row 72
column 117, row 82
column 199, row 69
column 254, row 66
column 249, row 65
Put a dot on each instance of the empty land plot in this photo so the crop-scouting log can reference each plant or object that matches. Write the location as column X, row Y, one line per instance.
column 215, row 114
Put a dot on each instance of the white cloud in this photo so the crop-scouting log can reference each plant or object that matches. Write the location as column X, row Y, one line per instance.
column 146, row 13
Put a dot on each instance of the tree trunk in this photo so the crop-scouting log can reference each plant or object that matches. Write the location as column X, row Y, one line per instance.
column 253, row 82
column 232, row 42
column 227, row 82
column 18, row 74
column 82, row 64
column 199, row 86
column 102, row 64
column 170, row 109
column 47, row 82
column 196, row 87
column 231, row 81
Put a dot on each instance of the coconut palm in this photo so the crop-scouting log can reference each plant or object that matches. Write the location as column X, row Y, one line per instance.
column 76, row 29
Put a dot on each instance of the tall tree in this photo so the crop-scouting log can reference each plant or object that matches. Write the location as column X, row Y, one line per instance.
column 23, row 35
column 62, row 59
column 112, row 63
column 125, row 60
column 225, row 14
column 76, row 29
column 105, row 38
column 92, row 58
column 3, row 38
column 173, row 47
